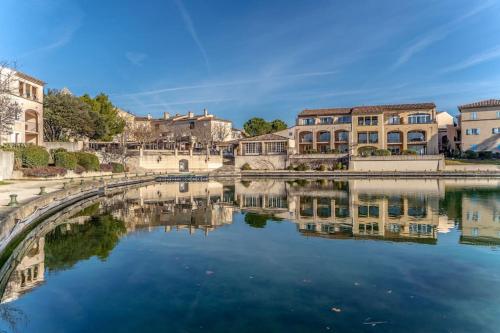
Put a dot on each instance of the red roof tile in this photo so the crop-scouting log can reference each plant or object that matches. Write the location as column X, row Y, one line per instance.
column 480, row 104
column 392, row 107
column 325, row 112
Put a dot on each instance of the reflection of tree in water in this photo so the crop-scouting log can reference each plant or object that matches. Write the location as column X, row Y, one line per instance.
column 12, row 317
column 97, row 237
column 259, row 220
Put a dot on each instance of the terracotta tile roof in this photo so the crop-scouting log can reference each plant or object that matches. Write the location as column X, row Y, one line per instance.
column 325, row 112
column 266, row 137
column 367, row 109
column 392, row 107
column 480, row 104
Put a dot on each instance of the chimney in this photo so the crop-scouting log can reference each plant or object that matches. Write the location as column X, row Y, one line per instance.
column 149, row 116
column 190, row 114
column 205, row 112
column 166, row 115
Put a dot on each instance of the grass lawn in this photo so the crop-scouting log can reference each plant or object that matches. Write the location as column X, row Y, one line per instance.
column 460, row 162
column 2, row 182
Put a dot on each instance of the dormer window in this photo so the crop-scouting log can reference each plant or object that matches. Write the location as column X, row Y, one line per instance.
column 308, row 121
column 326, row 120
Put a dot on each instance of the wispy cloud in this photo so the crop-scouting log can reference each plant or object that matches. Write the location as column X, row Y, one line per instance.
column 136, row 58
column 474, row 60
column 192, row 31
column 186, row 102
column 227, row 84
column 63, row 39
column 438, row 34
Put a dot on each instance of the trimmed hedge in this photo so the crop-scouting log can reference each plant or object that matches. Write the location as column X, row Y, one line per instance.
column 470, row 154
column 408, row 152
column 485, row 155
column 246, row 166
column 65, row 160
column 88, row 161
column 382, row 152
column 35, row 156
column 117, row 167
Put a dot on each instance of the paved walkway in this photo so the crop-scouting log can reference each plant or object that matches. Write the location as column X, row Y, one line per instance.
column 26, row 190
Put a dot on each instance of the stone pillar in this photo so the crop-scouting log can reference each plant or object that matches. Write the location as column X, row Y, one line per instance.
column 315, row 209
column 190, row 151
column 314, row 144
column 332, row 139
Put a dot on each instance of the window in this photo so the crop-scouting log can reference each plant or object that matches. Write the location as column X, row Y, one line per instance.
column 368, row 211
column 342, row 136
column 21, row 88
column 373, row 137
column 344, row 120
column 191, row 125
column 368, row 121
column 253, row 148
column 419, row 118
column 368, row 137
column 33, row 92
column 326, row 120
column 306, row 137
column 473, row 147
column 362, row 138
column 324, row 137
column 495, row 130
column 28, row 90
column 473, row 116
column 394, row 137
column 498, row 114
column 416, row 136
column 472, row 131
column 394, row 120
column 308, row 121
column 275, row 147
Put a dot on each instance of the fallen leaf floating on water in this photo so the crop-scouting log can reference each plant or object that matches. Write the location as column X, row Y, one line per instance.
column 209, row 272
column 374, row 323
column 336, row 310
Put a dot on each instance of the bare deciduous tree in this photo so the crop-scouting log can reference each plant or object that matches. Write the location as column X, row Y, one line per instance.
column 10, row 110
column 143, row 133
column 221, row 132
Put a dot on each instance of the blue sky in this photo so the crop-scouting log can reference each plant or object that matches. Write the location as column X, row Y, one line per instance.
column 258, row 57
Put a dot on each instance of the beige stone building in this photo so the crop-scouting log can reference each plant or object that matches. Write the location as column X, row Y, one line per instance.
column 359, row 129
column 480, row 126
column 27, row 91
column 323, row 130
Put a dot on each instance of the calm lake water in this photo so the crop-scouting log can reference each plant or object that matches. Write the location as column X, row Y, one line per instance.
column 265, row 256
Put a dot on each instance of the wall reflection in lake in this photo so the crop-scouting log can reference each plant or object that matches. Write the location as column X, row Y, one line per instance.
column 388, row 210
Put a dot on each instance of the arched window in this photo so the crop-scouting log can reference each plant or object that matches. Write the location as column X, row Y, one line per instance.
column 394, row 137
column 305, row 137
column 341, row 136
column 419, row 118
column 323, row 136
column 416, row 136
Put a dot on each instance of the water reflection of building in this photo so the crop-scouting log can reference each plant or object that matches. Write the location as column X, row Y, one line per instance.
column 28, row 274
column 176, row 206
column 481, row 218
column 355, row 208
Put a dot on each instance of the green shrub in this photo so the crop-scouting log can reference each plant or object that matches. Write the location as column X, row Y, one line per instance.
column 290, row 167
column 246, row 166
column 339, row 166
column 382, row 152
column 65, row 160
column 34, row 156
column 302, row 167
column 408, row 152
column 366, row 151
column 117, row 167
column 88, row 161
column 471, row 154
column 322, row 167
column 485, row 155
